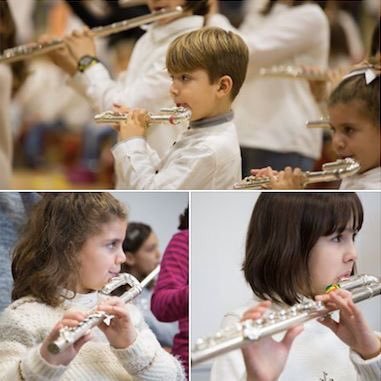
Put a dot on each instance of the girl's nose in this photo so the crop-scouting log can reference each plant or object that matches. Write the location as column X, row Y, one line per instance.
column 121, row 257
column 350, row 253
column 338, row 141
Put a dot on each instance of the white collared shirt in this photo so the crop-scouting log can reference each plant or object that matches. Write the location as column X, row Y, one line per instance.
column 271, row 112
column 368, row 180
column 203, row 158
column 145, row 84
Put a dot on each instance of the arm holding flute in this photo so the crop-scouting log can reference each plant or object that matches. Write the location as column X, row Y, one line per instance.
column 257, row 363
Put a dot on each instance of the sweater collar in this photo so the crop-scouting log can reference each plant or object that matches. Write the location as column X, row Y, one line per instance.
column 80, row 301
column 213, row 121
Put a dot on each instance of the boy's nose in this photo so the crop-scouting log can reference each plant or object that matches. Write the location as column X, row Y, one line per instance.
column 173, row 90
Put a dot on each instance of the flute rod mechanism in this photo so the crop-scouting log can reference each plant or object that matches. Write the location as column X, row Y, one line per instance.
column 22, row 52
column 362, row 287
column 69, row 335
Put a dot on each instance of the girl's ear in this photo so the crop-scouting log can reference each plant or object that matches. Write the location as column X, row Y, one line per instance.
column 130, row 259
column 225, row 85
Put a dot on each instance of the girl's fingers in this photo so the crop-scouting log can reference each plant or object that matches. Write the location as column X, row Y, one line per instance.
column 117, row 311
column 82, row 341
column 329, row 323
column 291, row 335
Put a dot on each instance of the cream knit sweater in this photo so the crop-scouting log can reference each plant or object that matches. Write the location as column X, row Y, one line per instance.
column 26, row 322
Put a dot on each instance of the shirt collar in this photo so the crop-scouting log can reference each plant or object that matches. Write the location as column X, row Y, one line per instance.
column 213, row 121
column 181, row 25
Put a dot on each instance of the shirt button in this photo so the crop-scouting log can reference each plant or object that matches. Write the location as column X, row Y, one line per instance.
column 156, row 172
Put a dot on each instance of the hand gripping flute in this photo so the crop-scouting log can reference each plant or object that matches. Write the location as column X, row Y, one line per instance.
column 361, row 286
column 336, row 170
column 69, row 335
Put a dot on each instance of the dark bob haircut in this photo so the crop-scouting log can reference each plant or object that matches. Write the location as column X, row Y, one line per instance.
column 283, row 229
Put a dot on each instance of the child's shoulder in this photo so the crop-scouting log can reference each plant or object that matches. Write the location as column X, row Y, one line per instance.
column 28, row 310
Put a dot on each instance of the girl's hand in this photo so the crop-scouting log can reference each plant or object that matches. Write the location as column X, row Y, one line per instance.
column 288, row 179
column 135, row 125
column 259, row 365
column 70, row 319
column 351, row 328
column 121, row 333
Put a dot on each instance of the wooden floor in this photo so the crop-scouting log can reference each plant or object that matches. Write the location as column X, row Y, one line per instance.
column 52, row 179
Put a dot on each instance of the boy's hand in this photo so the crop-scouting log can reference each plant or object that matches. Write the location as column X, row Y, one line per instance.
column 81, row 43
column 121, row 333
column 61, row 57
column 135, row 125
column 259, row 365
column 351, row 328
column 70, row 319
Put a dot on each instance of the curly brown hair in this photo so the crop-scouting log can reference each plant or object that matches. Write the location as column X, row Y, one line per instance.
column 44, row 261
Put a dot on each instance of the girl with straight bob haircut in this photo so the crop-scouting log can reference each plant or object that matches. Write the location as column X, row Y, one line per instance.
column 71, row 248
column 283, row 229
column 297, row 245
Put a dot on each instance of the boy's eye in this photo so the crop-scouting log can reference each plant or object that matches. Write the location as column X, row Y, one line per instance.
column 185, row 77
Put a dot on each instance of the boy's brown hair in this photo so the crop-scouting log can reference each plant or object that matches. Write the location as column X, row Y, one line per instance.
column 283, row 229
column 45, row 259
column 214, row 50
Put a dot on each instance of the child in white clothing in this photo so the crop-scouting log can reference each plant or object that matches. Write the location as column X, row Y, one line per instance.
column 354, row 117
column 70, row 248
column 208, row 67
column 296, row 245
column 145, row 82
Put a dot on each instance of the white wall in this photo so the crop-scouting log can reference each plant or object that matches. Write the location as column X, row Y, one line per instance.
column 160, row 210
column 219, row 223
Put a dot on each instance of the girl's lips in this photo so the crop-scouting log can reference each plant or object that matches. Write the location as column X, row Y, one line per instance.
column 344, row 276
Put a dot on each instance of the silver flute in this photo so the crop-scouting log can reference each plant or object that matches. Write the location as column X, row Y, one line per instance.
column 69, row 335
column 336, row 170
column 295, row 72
column 171, row 115
column 361, row 286
column 22, row 52
column 321, row 123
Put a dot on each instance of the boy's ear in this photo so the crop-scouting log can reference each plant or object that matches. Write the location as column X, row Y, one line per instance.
column 130, row 259
column 225, row 84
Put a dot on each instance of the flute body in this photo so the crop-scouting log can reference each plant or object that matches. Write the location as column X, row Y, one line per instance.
column 69, row 335
column 333, row 171
column 21, row 52
column 361, row 286
column 171, row 115
column 296, row 72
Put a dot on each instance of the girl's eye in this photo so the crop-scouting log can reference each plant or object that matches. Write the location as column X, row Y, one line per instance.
column 337, row 238
column 112, row 245
column 348, row 130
